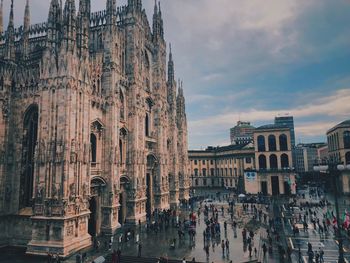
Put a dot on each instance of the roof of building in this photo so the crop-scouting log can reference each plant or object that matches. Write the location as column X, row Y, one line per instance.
column 232, row 147
column 272, row 127
column 312, row 145
column 344, row 124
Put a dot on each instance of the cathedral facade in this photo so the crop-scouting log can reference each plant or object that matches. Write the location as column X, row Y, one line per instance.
column 93, row 129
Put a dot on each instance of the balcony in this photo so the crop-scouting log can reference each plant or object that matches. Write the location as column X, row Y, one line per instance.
column 276, row 170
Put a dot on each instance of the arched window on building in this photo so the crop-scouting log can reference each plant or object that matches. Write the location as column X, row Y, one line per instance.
column 283, row 142
column 30, row 136
column 204, row 172
column 273, row 161
column 212, row 171
column 195, row 172
column 272, row 143
column 346, row 138
column 262, row 162
column 93, row 142
column 284, row 161
column 261, row 143
column 347, row 158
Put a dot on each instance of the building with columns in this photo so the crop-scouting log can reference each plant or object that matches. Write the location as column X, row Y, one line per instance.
column 273, row 161
column 221, row 167
column 338, row 138
column 93, row 131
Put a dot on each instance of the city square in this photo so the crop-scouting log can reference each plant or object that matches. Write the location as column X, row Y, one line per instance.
column 174, row 131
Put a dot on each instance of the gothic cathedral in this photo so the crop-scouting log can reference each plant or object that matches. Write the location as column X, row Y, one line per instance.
column 93, row 131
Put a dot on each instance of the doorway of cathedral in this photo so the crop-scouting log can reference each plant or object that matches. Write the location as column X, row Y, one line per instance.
column 150, row 176
column 92, row 219
column 96, row 195
column 149, row 195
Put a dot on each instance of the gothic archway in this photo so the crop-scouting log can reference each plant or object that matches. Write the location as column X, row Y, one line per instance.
column 96, row 196
column 30, row 136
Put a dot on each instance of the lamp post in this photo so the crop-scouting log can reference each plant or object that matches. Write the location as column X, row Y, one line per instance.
column 334, row 169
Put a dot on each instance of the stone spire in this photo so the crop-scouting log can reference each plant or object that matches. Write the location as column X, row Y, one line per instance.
column 69, row 25
column 111, row 10
column 1, row 17
column 158, row 32
column 171, row 69
column 83, row 27
column 25, row 37
column 54, row 24
column 10, row 38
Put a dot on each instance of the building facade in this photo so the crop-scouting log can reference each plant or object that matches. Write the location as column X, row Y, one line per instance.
column 242, row 133
column 273, row 161
column 93, row 130
column 221, row 167
column 338, row 139
column 307, row 155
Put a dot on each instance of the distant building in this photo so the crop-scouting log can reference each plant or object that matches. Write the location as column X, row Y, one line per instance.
column 339, row 149
column 287, row 121
column 306, row 155
column 242, row 133
column 221, row 167
column 273, row 162
column 322, row 153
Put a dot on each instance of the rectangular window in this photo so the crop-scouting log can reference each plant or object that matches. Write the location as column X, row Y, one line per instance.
column 211, row 162
column 248, row 160
column 203, row 162
column 195, row 162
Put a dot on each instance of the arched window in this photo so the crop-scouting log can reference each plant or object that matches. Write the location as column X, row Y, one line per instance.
column 273, row 161
column 261, row 143
column 30, row 135
column 347, row 158
column 346, row 138
column 284, row 161
column 195, row 172
column 204, row 172
column 272, row 143
column 147, row 125
column 283, row 142
column 262, row 162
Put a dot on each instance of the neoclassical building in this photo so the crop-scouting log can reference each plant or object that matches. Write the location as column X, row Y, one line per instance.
column 93, row 130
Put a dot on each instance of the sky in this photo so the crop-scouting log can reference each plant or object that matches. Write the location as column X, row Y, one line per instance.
column 251, row 60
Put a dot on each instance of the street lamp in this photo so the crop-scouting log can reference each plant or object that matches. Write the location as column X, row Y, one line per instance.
column 335, row 170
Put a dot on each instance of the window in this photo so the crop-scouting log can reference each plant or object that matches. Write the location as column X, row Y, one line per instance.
column 195, row 172
column 203, row 162
column 93, row 142
column 248, row 160
column 235, row 171
column 347, row 158
column 262, row 162
column 211, row 162
column 231, row 172
column 226, row 174
column 273, row 161
column 204, row 172
column 283, row 142
column 122, row 107
column 284, row 161
column 346, row 138
column 272, row 143
column 222, row 172
column 195, row 162
column 261, row 143
column 204, row 182
column 196, row 182
column 212, row 171
column 147, row 125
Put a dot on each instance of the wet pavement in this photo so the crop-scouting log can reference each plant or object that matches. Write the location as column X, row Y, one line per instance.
column 158, row 244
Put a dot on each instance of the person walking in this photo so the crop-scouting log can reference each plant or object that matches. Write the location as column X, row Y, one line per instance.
column 250, row 250
column 321, row 255
column 264, row 249
column 223, row 247
column 227, row 245
column 139, row 250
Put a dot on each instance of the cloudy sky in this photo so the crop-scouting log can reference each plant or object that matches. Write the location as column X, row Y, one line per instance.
column 251, row 60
